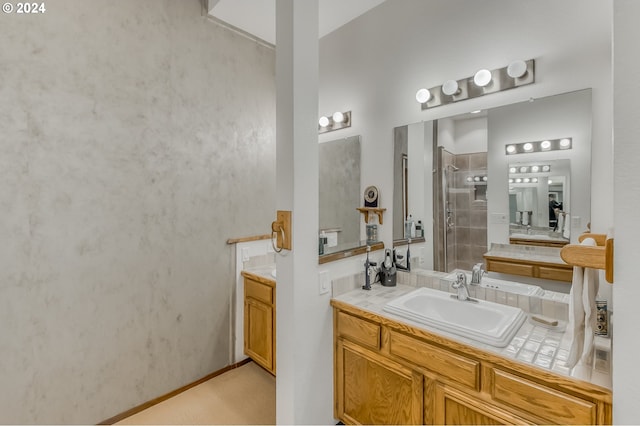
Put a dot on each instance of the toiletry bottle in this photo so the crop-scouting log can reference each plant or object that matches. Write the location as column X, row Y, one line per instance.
column 419, row 230
column 413, row 227
column 407, row 227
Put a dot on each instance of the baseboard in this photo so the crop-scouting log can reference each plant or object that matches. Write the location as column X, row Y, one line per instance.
column 144, row 406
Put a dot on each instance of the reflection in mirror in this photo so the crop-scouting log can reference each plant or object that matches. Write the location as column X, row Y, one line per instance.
column 539, row 202
column 339, row 165
column 463, row 187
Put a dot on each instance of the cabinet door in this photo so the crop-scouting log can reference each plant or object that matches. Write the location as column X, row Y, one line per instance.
column 371, row 389
column 453, row 407
column 258, row 332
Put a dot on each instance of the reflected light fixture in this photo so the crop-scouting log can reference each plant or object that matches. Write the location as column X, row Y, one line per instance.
column 337, row 120
column 538, row 146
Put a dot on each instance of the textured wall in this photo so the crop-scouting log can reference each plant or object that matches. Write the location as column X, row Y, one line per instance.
column 339, row 186
column 136, row 137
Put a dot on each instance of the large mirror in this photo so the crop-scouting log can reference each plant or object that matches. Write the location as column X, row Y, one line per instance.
column 339, row 165
column 455, row 172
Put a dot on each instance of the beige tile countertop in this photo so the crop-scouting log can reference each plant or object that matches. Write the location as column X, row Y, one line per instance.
column 261, row 274
column 531, row 253
column 534, row 345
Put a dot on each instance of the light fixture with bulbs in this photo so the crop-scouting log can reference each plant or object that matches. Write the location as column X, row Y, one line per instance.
column 517, row 73
column 539, row 146
column 337, row 120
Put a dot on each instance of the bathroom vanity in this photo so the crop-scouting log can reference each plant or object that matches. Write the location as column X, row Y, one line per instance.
column 260, row 317
column 388, row 370
column 528, row 261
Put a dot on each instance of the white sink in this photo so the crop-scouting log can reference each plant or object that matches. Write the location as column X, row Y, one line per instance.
column 537, row 237
column 509, row 286
column 483, row 321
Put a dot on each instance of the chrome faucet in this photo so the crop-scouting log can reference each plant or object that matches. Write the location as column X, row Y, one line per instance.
column 476, row 274
column 408, row 258
column 461, row 285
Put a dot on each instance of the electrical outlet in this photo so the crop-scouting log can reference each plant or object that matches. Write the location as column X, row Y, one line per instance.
column 245, row 254
column 324, row 284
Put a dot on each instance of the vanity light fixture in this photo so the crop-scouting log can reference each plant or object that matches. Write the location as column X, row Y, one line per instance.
column 539, row 146
column 517, row 73
column 423, row 96
column 482, row 78
column 517, row 69
column 474, row 180
column 450, row 88
column 337, row 120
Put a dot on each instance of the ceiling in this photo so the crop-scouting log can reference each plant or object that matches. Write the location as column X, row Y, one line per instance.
column 258, row 17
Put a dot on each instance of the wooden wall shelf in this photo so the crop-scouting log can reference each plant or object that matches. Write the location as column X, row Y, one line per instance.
column 598, row 257
column 371, row 210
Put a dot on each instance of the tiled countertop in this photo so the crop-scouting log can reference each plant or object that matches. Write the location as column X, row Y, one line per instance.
column 533, row 344
column 530, row 253
column 261, row 274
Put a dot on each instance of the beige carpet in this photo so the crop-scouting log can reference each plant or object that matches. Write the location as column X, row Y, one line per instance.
column 245, row 395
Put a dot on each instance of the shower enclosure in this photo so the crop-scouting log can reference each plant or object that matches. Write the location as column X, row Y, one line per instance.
column 460, row 209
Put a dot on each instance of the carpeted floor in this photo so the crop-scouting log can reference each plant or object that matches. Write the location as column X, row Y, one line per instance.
column 245, row 395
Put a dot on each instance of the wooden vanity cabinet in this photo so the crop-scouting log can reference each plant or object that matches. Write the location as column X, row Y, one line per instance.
column 260, row 323
column 386, row 372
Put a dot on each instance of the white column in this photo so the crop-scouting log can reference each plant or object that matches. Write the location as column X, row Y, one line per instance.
column 626, row 151
column 304, row 345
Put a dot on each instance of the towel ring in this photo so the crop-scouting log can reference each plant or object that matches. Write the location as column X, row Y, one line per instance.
column 273, row 243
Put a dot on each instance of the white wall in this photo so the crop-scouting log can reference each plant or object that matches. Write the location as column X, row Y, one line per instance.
column 137, row 137
column 626, row 291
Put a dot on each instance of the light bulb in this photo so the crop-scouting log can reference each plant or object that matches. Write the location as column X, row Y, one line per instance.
column 546, row 168
column 535, row 169
column 528, row 146
column 482, row 78
column 564, row 143
column 518, row 180
column 510, row 180
column 338, row 117
column 469, row 179
column 549, row 181
column 534, row 180
column 512, row 169
column 484, row 178
column 517, row 69
column 511, row 149
column 423, row 96
column 324, row 121
column 476, row 178
column 545, row 144
column 523, row 169
column 450, row 87
column 527, row 180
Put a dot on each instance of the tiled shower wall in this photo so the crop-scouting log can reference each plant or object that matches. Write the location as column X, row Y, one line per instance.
column 467, row 239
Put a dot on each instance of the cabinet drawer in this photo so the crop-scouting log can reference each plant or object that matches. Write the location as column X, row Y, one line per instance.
column 448, row 364
column 359, row 330
column 510, row 268
column 558, row 274
column 258, row 291
column 549, row 404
